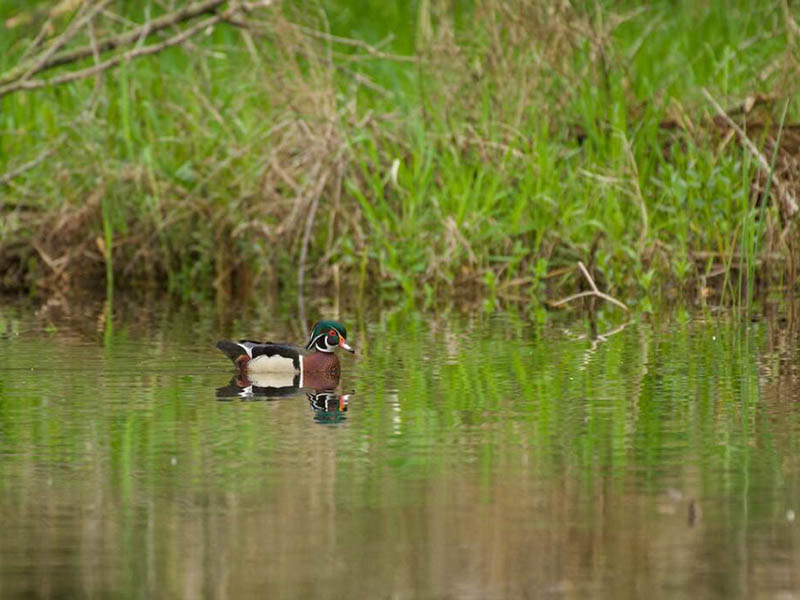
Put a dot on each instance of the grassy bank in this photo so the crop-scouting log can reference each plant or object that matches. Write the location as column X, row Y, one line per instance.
column 431, row 149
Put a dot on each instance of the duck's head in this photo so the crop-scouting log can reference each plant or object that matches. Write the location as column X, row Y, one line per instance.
column 327, row 336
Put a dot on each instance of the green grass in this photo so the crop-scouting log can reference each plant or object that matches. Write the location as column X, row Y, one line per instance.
column 520, row 143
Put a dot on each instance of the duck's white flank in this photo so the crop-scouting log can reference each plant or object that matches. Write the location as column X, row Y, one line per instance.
column 272, row 364
column 272, row 380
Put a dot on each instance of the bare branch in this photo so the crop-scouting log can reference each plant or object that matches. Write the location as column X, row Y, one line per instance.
column 32, row 84
column 785, row 196
column 593, row 292
column 110, row 43
column 6, row 177
column 19, row 78
column 30, row 68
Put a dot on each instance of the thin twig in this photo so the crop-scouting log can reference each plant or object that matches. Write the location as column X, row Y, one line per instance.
column 98, row 79
column 26, row 70
column 72, row 29
column 163, row 22
column 5, row 178
column 56, row 264
column 784, row 195
column 791, row 24
column 593, row 292
column 368, row 48
column 301, row 270
column 19, row 79
column 638, row 193
column 37, row 41
column 26, row 84
column 359, row 78
column 461, row 140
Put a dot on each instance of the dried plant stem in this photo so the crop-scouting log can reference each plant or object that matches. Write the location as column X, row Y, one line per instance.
column 128, row 37
column 26, row 71
column 309, row 225
column 593, row 292
column 6, row 177
column 368, row 48
column 638, row 194
column 19, row 79
column 786, row 198
column 32, row 84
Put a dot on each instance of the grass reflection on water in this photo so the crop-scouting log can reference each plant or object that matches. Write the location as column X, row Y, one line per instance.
column 478, row 459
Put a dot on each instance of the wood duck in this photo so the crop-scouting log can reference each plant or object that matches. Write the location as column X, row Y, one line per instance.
column 268, row 357
column 328, row 406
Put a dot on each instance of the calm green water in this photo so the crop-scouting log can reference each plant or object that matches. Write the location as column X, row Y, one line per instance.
column 474, row 458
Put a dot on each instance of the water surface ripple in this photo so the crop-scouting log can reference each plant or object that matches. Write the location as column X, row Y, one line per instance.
column 483, row 458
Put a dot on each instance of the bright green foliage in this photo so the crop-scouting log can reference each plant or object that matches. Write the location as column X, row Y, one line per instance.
column 518, row 136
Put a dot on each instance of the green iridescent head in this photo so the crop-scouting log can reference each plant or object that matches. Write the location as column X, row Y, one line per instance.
column 327, row 335
column 325, row 326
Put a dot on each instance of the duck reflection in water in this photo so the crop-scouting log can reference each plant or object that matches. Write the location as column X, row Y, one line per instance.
column 320, row 388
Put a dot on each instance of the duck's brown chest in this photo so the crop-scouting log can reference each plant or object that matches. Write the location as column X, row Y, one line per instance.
column 321, row 362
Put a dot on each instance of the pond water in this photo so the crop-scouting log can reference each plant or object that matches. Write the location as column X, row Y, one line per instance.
column 480, row 457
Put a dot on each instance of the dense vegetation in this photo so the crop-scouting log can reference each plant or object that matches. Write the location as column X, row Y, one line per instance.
column 431, row 147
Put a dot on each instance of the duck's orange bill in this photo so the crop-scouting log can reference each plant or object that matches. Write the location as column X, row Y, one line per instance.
column 344, row 345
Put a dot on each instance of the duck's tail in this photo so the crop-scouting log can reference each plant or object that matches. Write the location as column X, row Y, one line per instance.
column 232, row 350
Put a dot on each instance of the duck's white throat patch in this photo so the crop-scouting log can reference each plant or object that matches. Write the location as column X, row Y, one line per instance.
column 320, row 343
